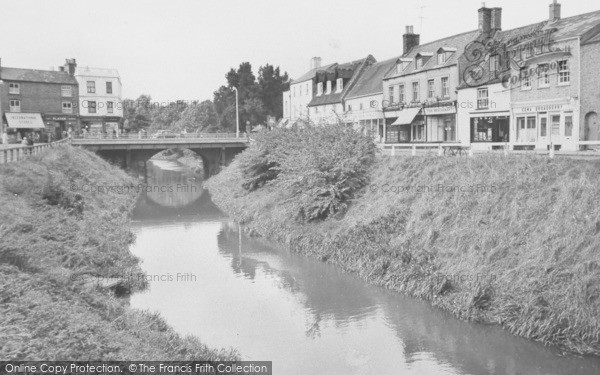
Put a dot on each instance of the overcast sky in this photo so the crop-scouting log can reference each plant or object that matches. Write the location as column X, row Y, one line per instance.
column 181, row 49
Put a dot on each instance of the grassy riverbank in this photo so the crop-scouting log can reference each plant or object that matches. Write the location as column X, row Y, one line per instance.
column 518, row 247
column 55, row 237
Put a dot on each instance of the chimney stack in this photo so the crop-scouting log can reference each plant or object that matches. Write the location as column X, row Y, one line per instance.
column 554, row 11
column 70, row 66
column 61, row 68
column 496, row 19
column 315, row 63
column 410, row 39
column 485, row 19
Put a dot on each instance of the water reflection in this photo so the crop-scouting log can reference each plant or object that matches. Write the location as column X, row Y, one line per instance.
column 308, row 317
column 172, row 184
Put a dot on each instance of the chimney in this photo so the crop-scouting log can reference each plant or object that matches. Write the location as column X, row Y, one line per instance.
column 315, row 63
column 61, row 68
column 410, row 39
column 70, row 66
column 554, row 11
column 485, row 19
column 496, row 19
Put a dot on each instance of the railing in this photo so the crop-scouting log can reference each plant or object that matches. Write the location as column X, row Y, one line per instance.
column 161, row 137
column 18, row 152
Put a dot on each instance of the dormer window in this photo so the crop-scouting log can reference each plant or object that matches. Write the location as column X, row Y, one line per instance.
column 319, row 88
column 328, row 88
column 419, row 62
column 339, row 85
column 441, row 58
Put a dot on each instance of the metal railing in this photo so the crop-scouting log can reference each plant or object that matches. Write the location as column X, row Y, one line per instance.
column 161, row 137
column 19, row 152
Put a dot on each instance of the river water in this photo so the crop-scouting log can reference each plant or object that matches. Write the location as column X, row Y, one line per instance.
column 307, row 317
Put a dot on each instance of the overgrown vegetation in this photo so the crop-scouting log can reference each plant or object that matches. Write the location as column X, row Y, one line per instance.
column 320, row 168
column 54, row 239
column 518, row 248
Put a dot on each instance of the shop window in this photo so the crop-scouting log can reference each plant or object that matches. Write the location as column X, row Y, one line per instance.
column 483, row 101
column 319, row 89
column 568, row 125
column 543, row 127
column 564, row 74
column 415, row 92
column 544, row 76
column 91, row 106
column 15, row 105
column 67, row 107
column 449, row 130
column 526, row 129
column 109, row 88
column 556, row 125
column 91, row 87
column 339, row 85
column 66, row 91
column 418, row 131
column 445, row 88
column 110, row 107
column 14, row 88
column 431, row 89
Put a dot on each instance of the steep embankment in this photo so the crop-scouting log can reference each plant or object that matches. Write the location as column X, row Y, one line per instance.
column 55, row 235
column 521, row 249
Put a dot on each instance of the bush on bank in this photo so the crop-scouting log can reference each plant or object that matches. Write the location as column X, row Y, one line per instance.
column 507, row 240
column 54, row 236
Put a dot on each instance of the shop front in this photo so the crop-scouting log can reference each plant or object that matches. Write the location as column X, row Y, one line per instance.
column 58, row 125
column 441, row 123
column 408, row 126
column 101, row 125
column 20, row 125
column 492, row 127
column 538, row 125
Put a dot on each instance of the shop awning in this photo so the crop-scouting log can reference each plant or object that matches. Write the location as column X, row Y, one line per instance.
column 407, row 116
column 24, row 120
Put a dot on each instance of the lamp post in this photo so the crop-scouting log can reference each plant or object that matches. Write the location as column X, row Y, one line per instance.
column 237, row 114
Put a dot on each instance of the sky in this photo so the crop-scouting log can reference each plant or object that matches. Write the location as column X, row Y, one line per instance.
column 182, row 49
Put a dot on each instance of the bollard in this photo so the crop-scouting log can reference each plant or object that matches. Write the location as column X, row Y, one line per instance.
column 440, row 152
column 414, row 150
column 551, row 154
column 470, row 151
column 5, row 155
column 505, row 149
column 393, row 151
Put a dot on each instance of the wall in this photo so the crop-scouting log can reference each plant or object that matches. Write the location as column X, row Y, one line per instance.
column 590, row 84
column 422, row 77
column 301, row 94
column 39, row 97
column 101, row 97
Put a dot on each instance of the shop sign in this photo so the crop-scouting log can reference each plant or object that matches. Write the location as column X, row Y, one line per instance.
column 441, row 110
column 540, row 108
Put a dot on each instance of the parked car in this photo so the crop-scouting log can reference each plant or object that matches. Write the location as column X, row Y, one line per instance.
column 164, row 134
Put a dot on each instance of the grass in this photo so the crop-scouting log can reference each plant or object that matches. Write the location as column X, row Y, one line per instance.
column 52, row 234
column 524, row 256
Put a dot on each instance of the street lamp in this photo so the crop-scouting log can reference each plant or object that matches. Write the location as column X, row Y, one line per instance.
column 237, row 114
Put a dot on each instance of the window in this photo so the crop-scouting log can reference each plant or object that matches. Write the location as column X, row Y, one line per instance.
column 339, row 85
column 91, row 106
column 419, row 63
column 349, row 108
column 14, row 88
column 543, row 76
column 568, row 125
column 109, row 87
column 525, row 79
column 543, row 126
column 564, row 75
column 445, row 88
column 109, row 107
column 415, row 93
column 91, row 87
column 328, row 88
column 441, row 58
column 360, row 106
column 431, row 89
column 319, row 88
column 555, row 125
column 15, row 105
column 66, row 91
column 483, row 101
column 399, row 68
column 401, row 97
column 67, row 107
column 391, row 95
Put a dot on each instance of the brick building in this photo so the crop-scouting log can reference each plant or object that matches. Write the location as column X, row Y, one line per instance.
column 43, row 101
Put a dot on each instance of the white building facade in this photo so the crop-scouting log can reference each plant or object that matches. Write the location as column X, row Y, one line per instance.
column 100, row 100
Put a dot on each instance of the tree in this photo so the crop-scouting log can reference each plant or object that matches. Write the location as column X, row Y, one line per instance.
column 272, row 85
column 198, row 117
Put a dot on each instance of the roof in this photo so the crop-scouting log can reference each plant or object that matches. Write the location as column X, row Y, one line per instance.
column 32, row 75
column 369, row 83
column 96, row 72
column 310, row 74
column 457, row 42
column 355, row 67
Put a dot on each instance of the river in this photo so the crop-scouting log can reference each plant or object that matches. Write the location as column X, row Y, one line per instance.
column 211, row 281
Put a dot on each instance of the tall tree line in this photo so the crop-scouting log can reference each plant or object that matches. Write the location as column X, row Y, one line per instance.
column 258, row 98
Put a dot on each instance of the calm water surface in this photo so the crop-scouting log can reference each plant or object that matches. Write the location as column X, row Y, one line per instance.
column 305, row 316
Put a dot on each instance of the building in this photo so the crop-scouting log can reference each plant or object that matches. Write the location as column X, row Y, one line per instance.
column 542, row 76
column 43, row 101
column 100, row 100
column 331, row 86
column 300, row 94
column 364, row 102
column 420, row 102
